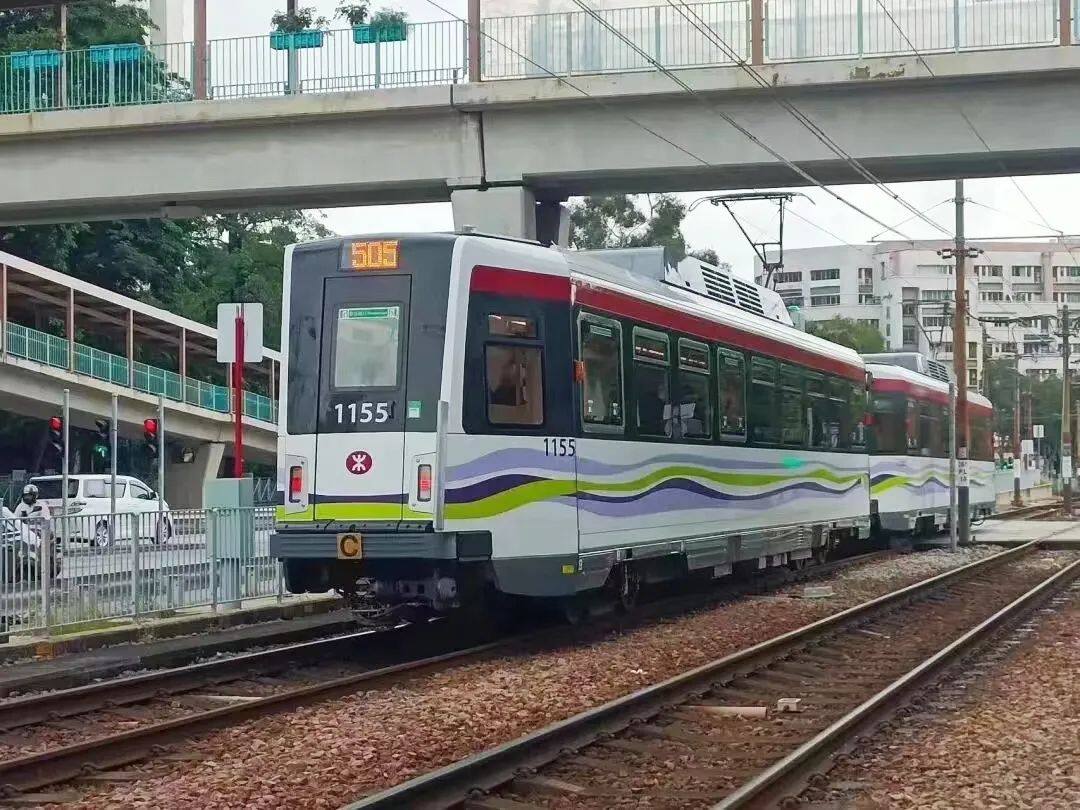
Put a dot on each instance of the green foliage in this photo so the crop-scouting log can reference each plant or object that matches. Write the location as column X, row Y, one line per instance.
column 355, row 13
column 861, row 337
column 386, row 17
column 1001, row 378
column 94, row 22
column 304, row 19
column 88, row 83
column 614, row 220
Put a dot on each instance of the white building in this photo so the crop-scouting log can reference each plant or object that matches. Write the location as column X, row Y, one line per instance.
column 905, row 290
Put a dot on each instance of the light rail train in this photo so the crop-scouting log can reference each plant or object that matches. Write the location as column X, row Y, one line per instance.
column 466, row 415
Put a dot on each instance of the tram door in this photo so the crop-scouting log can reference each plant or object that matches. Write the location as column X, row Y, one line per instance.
column 361, row 400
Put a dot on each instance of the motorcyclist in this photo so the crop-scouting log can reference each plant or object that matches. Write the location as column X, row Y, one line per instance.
column 31, row 508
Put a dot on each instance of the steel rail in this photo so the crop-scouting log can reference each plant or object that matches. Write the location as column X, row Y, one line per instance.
column 62, row 764
column 764, row 789
column 32, row 709
column 35, row 771
column 451, row 785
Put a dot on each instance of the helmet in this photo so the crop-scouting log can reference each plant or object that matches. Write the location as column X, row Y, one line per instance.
column 30, row 492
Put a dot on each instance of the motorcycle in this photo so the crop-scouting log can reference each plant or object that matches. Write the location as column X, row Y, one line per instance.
column 20, row 547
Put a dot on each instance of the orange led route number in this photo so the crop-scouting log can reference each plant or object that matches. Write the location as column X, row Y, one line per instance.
column 377, row 255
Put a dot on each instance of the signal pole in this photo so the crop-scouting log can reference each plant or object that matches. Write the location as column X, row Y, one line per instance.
column 960, row 370
column 1066, row 417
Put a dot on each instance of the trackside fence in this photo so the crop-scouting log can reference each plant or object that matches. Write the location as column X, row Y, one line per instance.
column 107, row 567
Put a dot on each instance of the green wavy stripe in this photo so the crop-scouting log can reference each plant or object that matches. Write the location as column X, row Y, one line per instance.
column 535, row 491
column 912, row 483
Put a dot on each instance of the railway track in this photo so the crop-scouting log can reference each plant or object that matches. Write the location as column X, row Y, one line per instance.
column 55, row 737
column 1036, row 511
column 752, row 728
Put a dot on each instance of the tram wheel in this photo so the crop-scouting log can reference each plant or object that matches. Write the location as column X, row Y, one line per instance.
column 628, row 582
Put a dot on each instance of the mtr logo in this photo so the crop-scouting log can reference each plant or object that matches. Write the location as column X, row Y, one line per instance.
column 359, row 462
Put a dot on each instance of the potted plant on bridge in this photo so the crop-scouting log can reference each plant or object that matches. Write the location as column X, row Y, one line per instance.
column 385, row 25
column 299, row 30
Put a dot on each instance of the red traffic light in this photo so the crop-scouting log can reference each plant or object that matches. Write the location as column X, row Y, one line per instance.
column 56, row 423
column 150, row 427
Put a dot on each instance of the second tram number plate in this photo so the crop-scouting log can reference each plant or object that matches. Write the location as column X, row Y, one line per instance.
column 350, row 546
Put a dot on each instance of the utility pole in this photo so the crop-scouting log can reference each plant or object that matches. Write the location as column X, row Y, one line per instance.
column 1017, row 500
column 1066, row 417
column 960, row 370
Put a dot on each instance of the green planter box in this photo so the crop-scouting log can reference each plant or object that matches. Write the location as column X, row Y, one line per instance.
column 28, row 60
column 394, row 32
column 116, row 54
column 288, row 40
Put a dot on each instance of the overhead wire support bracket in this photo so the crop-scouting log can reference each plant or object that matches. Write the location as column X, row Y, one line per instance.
column 761, row 249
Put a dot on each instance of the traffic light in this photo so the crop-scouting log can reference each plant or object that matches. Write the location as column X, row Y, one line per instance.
column 104, row 437
column 150, row 436
column 56, row 434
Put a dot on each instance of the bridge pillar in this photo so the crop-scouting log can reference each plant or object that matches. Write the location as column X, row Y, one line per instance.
column 184, row 482
column 510, row 211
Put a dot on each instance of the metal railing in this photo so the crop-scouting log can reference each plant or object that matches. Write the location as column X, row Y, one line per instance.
column 101, row 76
column 108, row 567
column 52, row 350
column 250, row 67
column 830, row 29
column 677, row 36
column 577, row 42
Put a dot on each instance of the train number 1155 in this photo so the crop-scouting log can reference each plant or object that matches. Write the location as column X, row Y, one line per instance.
column 560, row 447
column 364, row 413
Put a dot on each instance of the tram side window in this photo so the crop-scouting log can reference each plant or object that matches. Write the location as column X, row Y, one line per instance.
column 764, row 399
column 515, row 384
column 601, row 390
column 695, row 411
column 854, row 432
column 652, row 383
column 911, row 427
column 731, row 372
column 931, row 430
column 825, row 412
column 890, row 433
column 792, row 416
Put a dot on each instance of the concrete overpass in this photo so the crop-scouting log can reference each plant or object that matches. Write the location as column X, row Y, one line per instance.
column 132, row 345
column 901, row 117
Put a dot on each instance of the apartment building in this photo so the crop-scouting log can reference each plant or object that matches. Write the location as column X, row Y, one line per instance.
column 906, row 289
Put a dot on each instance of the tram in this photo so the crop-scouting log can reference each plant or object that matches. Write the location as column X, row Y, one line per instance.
column 466, row 414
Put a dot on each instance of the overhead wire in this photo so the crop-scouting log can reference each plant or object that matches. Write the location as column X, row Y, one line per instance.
column 973, row 128
column 629, row 119
column 748, row 134
column 703, row 27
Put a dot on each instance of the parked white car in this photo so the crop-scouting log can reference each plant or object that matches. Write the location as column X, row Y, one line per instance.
column 89, row 504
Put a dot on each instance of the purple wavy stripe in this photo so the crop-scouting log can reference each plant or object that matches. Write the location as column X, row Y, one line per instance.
column 488, row 487
column 517, row 458
column 904, row 466
column 686, row 485
column 673, row 500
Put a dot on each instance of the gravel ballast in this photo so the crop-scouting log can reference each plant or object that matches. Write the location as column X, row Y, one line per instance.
column 325, row 755
column 1009, row 740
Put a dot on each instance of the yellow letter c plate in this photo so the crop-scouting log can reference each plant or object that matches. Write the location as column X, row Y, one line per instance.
column 350, row 546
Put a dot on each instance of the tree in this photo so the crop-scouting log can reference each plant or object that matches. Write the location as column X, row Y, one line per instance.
column 861, row 337
column 615, row 220
column 1001, row 376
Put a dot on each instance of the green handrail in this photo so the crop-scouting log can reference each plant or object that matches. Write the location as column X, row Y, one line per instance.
column 52, row 350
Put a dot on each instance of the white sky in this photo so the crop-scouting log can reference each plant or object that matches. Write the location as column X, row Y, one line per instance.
column 1054, row 196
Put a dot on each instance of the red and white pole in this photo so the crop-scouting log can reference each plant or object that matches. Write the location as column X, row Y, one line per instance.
column 238, row 397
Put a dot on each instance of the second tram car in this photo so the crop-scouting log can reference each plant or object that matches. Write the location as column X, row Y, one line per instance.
column 464, row 413
column 909, row 453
